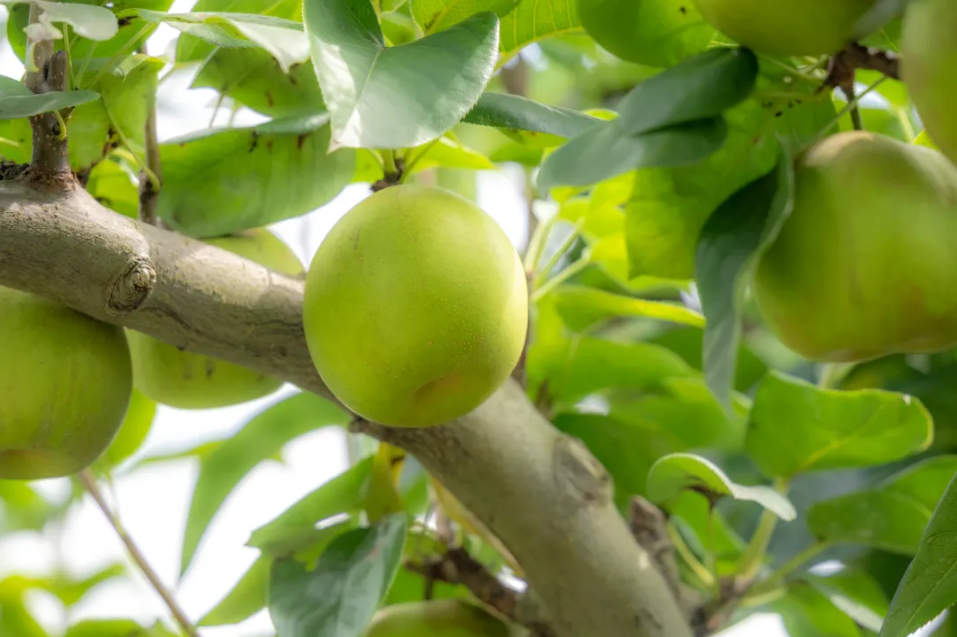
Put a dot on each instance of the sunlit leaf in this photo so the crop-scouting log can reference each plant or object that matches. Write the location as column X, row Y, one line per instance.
column 219, row 182
column 89, row 21
column 796, row 427
column 681, row 471
column 582, row 306
column 435, row 15
column 258, row 440
column 534, row 20
column 395, row 97
column 516, row 114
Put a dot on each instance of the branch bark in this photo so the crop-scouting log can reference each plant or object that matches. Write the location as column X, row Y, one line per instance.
column 49, row 72
column 538, row 490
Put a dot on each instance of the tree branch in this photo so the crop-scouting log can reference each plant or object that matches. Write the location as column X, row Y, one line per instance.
column 538, row 490
column 47, row 71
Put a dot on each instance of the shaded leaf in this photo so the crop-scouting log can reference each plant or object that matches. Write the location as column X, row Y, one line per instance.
column 879, row 519
column 534, row 20
column 245, row 599
column 115, row 187
column 606, row 152
column 223, row 181
column 395, row 97
column 343, row 494
column 929, row 586
column 730, row 243
column 806, row 612
column 516, row 113
column 855, row 593
column 17, row 101
column 339, row 597
column 677, row 472
column 796, row 427
column 259, row 439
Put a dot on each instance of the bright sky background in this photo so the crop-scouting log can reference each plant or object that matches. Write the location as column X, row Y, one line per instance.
column 153, row 501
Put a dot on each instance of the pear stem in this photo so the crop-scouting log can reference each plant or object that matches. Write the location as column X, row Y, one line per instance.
column 89, row 483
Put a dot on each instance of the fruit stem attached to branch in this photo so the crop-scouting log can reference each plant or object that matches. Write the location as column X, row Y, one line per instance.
column 89, row 483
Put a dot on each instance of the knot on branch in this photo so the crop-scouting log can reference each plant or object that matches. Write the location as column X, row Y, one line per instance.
column 131, row 288
column 581, row 470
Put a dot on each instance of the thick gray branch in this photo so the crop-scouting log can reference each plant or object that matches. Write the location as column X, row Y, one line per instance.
column 541, row 492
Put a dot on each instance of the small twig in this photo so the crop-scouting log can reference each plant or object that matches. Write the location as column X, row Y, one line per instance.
column 458, row 567
column 151, row 176
column 89, row 483
column 857, row 57
column 650, row 528
column 48, row 71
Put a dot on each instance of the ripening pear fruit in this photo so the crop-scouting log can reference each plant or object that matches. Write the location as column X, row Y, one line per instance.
column 65, row 385
column 864, row 266
column 416, row 307
column 658, row 33
column 436, row 618
column 929, row 68
column 187, row 380
column 787, row 27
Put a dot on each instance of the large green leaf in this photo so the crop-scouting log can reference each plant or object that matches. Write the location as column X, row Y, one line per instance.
column 879, row 519
column 677, row 472
column 261, row 438
column 796, row 427
column 343, row 494
column 929, row 586
column 219, row 182
column 339, row 597
column 190, row 48
column 534, row 20
column 656, row 33
column 727, row 248
column 253, row 78
column 395, row 97
column 114, row 185
column 435, row 15
column 17, row 101
column 855, row 593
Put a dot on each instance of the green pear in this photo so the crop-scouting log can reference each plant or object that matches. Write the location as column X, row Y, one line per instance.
column 416, row 307
column 658, row 33
column 787, row 27
column 929, row 55
column 65, row 385
column 187, row 380
column 436, row 618
column 864, row 265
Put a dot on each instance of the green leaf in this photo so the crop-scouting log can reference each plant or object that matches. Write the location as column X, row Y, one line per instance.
column 282, row 38
column 879, row 519
column 519, row 114
column 657, row 33
column 582, row 306
column 261, row 438
column 89, row 21
column 339, row 597
column 136, row 425
column 806, row 612
column 17, row 101
column 71, row 591
column 796, row 427
column 728, row 247
column 606, row 152
column 534, row 20
column 677, row 472
column 445, row 153
column 925, row 481
column 701, row 87
column 855, row 593
column 435, row 15
column 395, row 97
column 190, row 48
column 22, row 508
column 929, row 586
column 253, row 78
column 220, row 182
column 343, row 494
column 115, row 186
column 116, row 628
column 16, row 620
